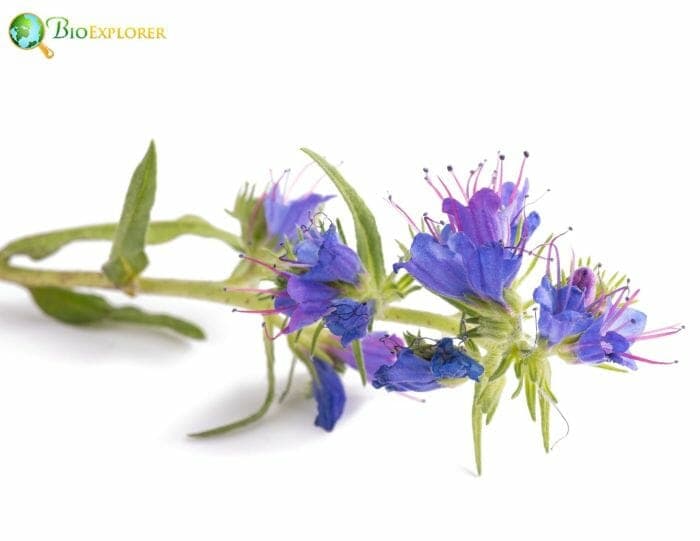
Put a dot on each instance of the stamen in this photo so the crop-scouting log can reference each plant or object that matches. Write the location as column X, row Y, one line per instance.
column 298, row 175
column 449, row 194
column 617, row 312
column 431, row 227
column 276, row 336
column 595, row 304
column 645, row 360
column 427, row 179
column 268, row 312
column 669, row 329
column 478, row 173
column 501, row 157
column 526, row 155
column 450, row 170
column 466, row 188
column 411, row 223
column 266, row 265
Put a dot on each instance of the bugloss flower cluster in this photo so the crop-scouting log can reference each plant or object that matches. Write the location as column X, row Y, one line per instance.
column 324, row 296
column 471, row 256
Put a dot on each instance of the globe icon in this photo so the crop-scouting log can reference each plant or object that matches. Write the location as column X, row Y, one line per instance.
column 27, row 31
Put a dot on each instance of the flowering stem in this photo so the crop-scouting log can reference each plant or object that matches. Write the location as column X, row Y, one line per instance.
column 45, row 244
column 420, row 318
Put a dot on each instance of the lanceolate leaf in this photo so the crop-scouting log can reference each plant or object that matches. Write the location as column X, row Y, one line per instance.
column 45, row 244
column 369, row 243
column 83, row 309
column 128, row 258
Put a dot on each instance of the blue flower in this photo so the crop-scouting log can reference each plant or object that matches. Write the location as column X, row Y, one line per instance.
column 593, row 322
column 304, row 302
column 310, row 288
column 597, row 346
column 284, row 217
column 412, row 372
column 563, row 311
column 326, row 258
column 409, row 373
column 378, row 349
column 478, row 254
column 448, row 362
column 349, row 319
column 329, row 395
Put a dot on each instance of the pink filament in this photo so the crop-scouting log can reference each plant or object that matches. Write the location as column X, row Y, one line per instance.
column 645, row 360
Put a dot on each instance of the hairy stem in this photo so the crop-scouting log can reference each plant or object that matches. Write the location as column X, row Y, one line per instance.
column 43, row 245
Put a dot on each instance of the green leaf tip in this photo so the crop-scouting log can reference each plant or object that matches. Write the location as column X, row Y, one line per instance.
column 128, row 257
column 369, row 242
column 84, row 309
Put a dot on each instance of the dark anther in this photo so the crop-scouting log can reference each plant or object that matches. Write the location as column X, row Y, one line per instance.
column 449, row 168
column 502, row 157
column 425, row 169
column 526, row 154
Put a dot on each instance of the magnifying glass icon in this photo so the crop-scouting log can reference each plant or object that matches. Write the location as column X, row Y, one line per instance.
column 27, row 32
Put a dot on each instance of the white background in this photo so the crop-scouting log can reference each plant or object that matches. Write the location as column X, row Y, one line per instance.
column 92, row 421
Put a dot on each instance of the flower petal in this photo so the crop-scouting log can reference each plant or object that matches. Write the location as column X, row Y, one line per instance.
column 329, row 394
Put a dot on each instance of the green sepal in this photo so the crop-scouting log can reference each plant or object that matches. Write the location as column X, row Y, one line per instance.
column 84, row 309
column 248, row 210
column 128, row 257
column 369, row 242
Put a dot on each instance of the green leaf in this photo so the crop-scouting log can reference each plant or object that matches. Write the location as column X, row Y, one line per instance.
column 530, row 395
column 131, row 314
column 476, row 429
column 269, row 397
column 544, row 421
column 83, row 309
column 70, row 307
column 369, row 243
column 128, row 258
column 45, row 244
column 162, row 232
column 360, row 360
column 491, row 396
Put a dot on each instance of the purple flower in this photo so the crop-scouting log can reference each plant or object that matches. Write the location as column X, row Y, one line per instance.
column 594, row 346
column 563, row 311
column 612, row 334
column 283, row 216
column 349, row 319
column 413, row 372
column 304, row 301
column 310, row 286
column 448, row 362
column 592, row 320
column 329, row 395
column 326, row 258
column 479, row 252
column 378, row 349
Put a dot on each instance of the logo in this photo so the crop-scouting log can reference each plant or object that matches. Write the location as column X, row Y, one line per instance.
column 27, row 31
